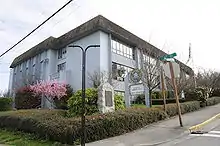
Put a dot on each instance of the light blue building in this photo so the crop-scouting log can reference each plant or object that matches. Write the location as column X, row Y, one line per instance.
column 53, row 59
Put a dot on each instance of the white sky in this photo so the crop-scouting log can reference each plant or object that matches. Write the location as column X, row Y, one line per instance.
column 169, row 25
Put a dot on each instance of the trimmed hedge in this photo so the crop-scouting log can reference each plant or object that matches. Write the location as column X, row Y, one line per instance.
column 5, row 104
column 212, row 101
column 168, row 101
column 53, row 124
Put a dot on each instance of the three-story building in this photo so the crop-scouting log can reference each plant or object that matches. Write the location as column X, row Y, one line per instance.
column 53, row 59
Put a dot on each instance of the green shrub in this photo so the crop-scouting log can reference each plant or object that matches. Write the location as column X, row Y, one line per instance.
column 55, row 127
column 186, row 107
column 25, row 99
column 140, row 99
column 213, row 101
column 168, row 101
column 5, row 104
column 52, row 124
column 62, row 103
column 75, row 102
column 119, row 102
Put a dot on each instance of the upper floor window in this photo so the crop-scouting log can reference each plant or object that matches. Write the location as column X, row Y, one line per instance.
column 61, row 53
column 122, row 49
column 61, row 67
column 119, row 71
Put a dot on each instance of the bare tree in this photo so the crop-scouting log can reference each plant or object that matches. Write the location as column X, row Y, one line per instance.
column 96, row 78
column 208, row 79
column 151, row 71
column 183, row 83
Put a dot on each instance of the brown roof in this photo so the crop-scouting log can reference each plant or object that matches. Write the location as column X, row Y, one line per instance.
column 105, row 25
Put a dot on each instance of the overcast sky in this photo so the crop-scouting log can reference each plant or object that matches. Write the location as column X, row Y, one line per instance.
column 168, row 24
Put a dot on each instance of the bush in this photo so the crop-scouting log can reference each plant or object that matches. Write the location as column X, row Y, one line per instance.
column 5, row 104
column 62, row 103
column 25, row 99
column 186, row 107
column 119, row 102
column 140, row 99
column 67, row 130
column 52, row 124
column 213, row 101
column 75, row 102
column 168, row 101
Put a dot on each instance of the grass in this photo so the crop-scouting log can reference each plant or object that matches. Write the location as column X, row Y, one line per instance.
column 23, row 139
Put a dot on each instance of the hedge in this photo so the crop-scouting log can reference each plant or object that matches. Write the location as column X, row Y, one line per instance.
column 168, row 101
column 53, row 125
column 212, row 101
column 5, row 104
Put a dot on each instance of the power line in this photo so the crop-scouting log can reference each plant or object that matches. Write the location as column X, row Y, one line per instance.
column 36, row 28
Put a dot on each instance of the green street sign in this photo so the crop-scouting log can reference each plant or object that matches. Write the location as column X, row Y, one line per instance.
column 169, row 56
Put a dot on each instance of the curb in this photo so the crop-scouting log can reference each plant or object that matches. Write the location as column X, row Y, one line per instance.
column 198, row 126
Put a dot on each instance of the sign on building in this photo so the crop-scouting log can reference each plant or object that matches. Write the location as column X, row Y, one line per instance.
column 134, row 87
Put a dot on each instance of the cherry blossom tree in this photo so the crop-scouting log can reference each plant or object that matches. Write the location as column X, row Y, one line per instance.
column 49, row 89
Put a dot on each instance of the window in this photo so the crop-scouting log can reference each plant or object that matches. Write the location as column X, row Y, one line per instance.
column 61, row 53
column 21, row 67
column 27, row 64
column 119, row 71
column 61, row 67
column 122, row 49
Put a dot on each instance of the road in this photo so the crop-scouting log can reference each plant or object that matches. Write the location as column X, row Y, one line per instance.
column 166, row 131
column 211, row 137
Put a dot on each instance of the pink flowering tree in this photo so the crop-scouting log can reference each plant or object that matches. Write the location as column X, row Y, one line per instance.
column 50, row 90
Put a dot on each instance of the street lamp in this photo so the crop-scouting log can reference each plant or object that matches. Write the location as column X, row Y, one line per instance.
column 83, row 134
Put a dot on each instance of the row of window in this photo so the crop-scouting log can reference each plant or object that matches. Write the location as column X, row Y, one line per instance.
column 122, row 49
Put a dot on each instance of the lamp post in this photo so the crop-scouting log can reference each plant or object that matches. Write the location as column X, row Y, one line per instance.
column 83, row 120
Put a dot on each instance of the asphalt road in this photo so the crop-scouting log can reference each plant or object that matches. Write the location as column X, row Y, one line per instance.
column 211, row 137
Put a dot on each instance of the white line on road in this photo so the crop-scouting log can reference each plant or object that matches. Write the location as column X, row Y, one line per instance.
column 206, row 135
column 215, row 132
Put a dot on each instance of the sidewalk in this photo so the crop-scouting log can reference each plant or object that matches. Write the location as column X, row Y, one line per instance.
column 162, row 131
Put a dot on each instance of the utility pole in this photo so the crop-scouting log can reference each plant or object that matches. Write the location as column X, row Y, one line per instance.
column 176, row 93
column 165, row 58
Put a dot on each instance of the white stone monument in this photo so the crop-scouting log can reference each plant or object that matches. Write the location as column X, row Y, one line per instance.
column 106, row 98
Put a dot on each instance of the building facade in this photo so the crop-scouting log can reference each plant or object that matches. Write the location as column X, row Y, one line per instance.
column 54, row 59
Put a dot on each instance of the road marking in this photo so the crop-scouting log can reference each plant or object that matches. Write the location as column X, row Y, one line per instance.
column 215, row 132
column 197, row 127
column 206, row 135
column 210, row 134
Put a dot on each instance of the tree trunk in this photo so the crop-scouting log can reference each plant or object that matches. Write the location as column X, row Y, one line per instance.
column 150, row 98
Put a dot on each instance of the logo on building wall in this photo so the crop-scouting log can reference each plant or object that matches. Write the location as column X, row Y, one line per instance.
column 135, row 76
